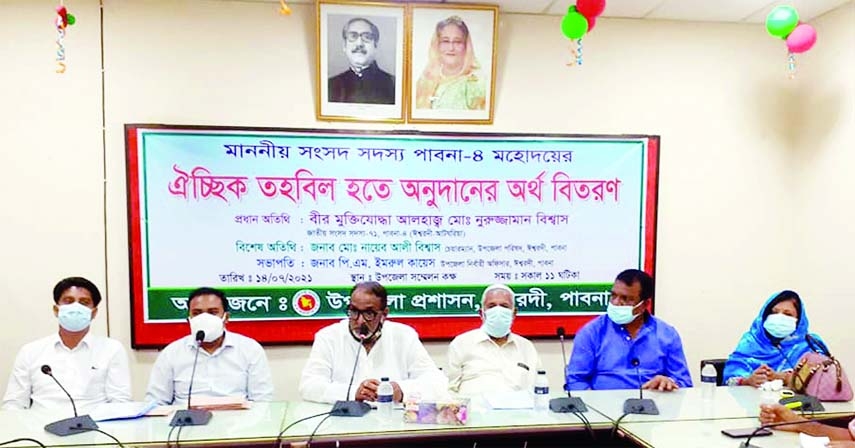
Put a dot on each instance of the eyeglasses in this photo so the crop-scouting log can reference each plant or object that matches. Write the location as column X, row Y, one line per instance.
column 367, row 315
column 624, row 300
column 366, row 36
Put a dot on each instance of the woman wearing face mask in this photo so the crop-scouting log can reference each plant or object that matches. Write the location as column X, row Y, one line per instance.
column 773, row 345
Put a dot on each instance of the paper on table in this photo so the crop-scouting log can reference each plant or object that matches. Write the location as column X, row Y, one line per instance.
column 516, row 399
column 121, row 411
column 806, row 441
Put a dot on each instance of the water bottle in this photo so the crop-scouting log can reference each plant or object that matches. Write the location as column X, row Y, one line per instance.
column 708, row 380
column 541, row 391
column 385, row 392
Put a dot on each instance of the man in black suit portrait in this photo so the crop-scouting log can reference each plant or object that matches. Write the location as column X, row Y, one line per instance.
column 363, row 81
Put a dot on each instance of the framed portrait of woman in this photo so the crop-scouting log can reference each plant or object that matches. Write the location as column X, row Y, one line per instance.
column 361, row 74
column 452, row 60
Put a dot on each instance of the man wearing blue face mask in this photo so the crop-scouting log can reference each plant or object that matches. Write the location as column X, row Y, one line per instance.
column 93, row 368
column 774, row 343
column 491, row 358
column 614, row 350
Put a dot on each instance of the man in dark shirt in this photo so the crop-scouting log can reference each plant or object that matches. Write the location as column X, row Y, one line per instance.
column 363, row 81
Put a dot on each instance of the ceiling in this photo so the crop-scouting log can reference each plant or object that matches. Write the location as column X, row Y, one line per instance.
column 747, row 11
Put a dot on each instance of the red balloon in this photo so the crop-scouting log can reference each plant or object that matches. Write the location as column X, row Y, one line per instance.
column 590, row 8
column 592, row 21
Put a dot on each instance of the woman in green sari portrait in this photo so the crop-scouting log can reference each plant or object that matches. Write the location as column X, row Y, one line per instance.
column 451, row 80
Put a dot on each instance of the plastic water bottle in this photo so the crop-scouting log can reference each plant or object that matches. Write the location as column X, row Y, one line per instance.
column 708, row 380
column 385, row 393
column 541, row 391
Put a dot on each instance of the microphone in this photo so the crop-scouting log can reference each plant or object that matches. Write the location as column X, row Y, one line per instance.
column 192, row 417
column 806, row 402
column 348, row 407
column 760, row 429
column 568, row 403
column 639, row 405
column 68, row 426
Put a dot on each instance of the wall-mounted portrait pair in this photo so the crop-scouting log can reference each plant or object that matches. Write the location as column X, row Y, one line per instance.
column 420, row 63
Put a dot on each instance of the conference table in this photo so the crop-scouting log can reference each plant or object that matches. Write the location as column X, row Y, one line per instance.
column 686, row 419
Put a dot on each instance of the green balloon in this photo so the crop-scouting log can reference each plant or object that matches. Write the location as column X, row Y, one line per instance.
column 71, row 19
column 574, row 25
column 782, row 21
column 572, row 8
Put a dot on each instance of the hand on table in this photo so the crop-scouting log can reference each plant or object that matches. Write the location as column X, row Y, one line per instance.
column 661, row 383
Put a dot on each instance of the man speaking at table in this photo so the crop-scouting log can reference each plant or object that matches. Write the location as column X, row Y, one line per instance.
column 377, row 347
column 628, row 347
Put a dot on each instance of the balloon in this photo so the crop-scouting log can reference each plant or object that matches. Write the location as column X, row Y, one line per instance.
column 590, row 8
column 801, row 39
column 574, row 25
column 71, row 19
column 592, row 22
column 782, row 21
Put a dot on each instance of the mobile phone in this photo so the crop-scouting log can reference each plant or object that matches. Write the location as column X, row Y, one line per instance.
column 745, row 432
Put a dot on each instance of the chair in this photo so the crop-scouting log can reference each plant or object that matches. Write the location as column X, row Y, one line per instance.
column 718, row 363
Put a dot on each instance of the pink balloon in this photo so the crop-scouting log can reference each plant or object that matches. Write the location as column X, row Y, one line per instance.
column 592, row 22
column 801, row 39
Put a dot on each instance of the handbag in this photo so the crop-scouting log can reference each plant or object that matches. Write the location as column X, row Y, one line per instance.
column 819, row 375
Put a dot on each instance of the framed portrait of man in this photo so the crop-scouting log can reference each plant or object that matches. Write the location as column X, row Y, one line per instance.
column 360, row 58
column 452, row 56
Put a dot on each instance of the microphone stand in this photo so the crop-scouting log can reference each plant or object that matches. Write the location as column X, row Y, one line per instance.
column 68, row 426
column 639, row 405
column 348, row 407
column 192, row 417
column 568, row 403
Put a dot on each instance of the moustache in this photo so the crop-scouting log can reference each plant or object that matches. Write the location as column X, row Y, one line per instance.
column 359, row 49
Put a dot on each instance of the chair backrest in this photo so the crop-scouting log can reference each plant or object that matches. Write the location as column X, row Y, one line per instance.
column 719, row 368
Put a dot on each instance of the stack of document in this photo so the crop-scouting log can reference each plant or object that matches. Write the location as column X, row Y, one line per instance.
column 511, row 399
column 121, row 411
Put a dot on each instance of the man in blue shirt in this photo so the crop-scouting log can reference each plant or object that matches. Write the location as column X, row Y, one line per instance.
column 613, row 351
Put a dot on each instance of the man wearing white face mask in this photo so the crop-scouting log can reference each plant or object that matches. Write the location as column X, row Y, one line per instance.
column 229, row 365
column 614, row 350
column 94, row 369
column 491, row 358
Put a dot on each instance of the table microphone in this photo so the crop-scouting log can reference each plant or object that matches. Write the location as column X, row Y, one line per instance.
column 68, row 426
column 192, row 417
column 347, row 407
column 639, row 405
column 568, row 403
column 747, row 442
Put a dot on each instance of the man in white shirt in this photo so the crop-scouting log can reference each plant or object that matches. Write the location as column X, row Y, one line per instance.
column 229, row 365
column 93, row 369
column 379, row 347
column 491, row 358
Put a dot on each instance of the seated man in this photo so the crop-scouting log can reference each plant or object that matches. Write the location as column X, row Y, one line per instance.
column 93, row 369
column 229, row 364
column 491, row 358
column 613, row 350
column 382, row 348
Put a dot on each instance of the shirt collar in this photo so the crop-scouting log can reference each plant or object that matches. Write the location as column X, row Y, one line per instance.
column 483, row 336
column 57, row 341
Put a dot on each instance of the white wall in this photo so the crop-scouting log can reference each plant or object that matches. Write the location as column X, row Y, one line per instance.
column 738, row 168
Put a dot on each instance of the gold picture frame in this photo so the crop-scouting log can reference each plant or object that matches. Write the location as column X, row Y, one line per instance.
column 451, row 54
column 360, row 59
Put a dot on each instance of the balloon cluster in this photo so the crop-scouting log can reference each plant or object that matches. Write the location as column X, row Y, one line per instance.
column 580, row 20
column 62, row 21
column 783, row 22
